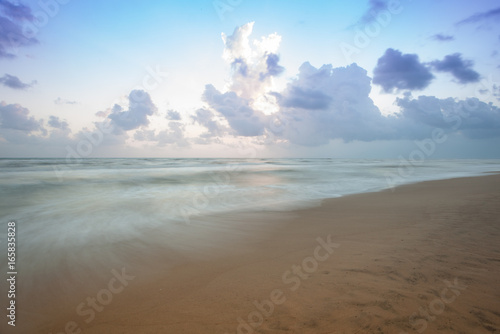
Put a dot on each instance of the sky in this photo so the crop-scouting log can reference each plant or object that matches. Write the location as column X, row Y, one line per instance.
column 398, row 79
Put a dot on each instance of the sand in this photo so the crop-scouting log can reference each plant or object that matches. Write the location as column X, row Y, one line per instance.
column 418, row 258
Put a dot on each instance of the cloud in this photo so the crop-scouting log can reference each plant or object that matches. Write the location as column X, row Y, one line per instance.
column 254, row 63
column 471, row 117
column 173, row 115
column 16, row 11
column 16, row 117
column 459, row 68
column 495, row 91
column 60, row 101
column 206, row 118
column 374, row 7
column 12, row 18
column 443, row 38
column 492, row 14
column 14, row 82
column 273, row 68
column 396, row 70
column 140, row 107
column 330, row 103
column 56, row 123
column 242, row 118
column 173, row 135
column 324, row 104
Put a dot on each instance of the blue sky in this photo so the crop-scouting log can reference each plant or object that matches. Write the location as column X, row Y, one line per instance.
column 239, row 78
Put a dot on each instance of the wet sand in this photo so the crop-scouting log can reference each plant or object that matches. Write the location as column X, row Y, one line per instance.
column 418, row 258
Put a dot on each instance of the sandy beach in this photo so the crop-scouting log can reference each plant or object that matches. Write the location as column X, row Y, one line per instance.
column 418, row 258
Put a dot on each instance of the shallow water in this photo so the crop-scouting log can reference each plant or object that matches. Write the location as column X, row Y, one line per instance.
column 110, row 200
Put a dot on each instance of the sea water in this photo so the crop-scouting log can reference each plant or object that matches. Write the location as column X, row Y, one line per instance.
column 114, row 199
column 69, row 215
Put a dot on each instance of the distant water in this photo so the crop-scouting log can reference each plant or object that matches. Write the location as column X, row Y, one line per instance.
column 103, row 201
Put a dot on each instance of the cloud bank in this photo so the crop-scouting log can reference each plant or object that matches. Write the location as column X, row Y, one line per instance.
column 315, row 107
column 328, row 103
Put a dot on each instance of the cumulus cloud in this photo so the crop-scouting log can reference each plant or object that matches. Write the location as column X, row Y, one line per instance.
column 242, row 118
column 490, row 15
column 14, row 82
column 16, row 117
column 173, row 135
column 56, row 123
column 330, row 103
column 173, row 115
column 443, row 38
column 254, row 63
column 461, row 69
column 12, row 18
column 206, row 118
column 396, row 70
column 140, row 107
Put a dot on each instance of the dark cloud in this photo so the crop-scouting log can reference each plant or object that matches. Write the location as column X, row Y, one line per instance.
column 443, row 38
column 16, row 117
column 236, row 110
column 273, row 68
column 140, row 107
column 14, row 82
column 12, row 36
column 493, row 14
column 396, row 70
column 173, row 115
column 461, row 69
column 56, row 123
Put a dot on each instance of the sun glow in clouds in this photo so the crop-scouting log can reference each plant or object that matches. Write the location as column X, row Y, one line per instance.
column 254, row 64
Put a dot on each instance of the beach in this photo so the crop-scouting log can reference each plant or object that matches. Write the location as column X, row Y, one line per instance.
column 417, row 258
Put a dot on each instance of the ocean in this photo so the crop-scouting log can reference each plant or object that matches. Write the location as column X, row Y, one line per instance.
column 118, row 196
column 71, row 213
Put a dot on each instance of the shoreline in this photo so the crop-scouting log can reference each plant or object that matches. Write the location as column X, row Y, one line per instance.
column 396, row 249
